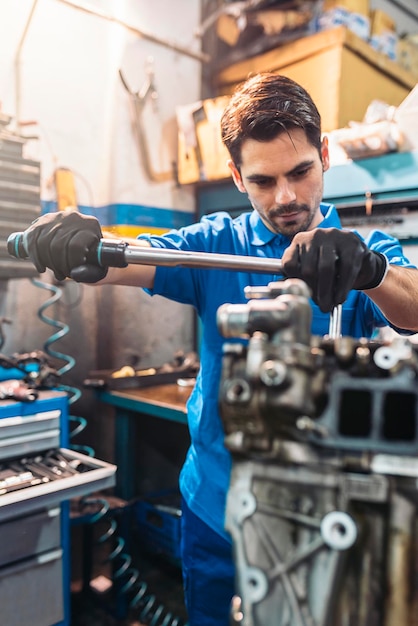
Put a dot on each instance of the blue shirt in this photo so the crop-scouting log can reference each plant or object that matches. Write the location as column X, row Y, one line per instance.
column 204, row 477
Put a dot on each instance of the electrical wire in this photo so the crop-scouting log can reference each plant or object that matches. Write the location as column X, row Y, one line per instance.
column 144, row 604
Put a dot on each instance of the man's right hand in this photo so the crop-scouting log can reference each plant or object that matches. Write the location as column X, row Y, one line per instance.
column 61, row 241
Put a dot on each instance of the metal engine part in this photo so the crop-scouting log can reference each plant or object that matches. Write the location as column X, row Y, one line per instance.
column 324, row 485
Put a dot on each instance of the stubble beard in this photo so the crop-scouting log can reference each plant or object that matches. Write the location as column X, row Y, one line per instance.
column 292, row 228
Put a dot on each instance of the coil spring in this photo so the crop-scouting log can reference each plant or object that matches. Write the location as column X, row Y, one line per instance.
column 73, row 393
column 148, row 609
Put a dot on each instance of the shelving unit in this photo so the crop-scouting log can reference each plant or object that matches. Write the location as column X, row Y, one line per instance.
column 389, row 184
column 390, row 178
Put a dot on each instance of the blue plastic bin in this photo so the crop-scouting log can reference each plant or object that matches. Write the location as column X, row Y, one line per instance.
column 158, row 519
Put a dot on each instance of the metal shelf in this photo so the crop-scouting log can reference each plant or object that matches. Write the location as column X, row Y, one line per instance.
column 390, row 179
column 96, row 476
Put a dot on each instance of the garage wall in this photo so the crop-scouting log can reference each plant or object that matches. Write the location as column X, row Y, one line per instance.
column 59, row 79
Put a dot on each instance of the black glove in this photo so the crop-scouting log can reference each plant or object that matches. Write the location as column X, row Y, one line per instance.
column 61, row 242
column 332, row 262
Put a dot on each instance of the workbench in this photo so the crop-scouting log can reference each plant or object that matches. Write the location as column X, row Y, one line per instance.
column 135, row 407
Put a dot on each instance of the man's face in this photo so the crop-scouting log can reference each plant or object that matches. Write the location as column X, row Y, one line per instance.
column 283, row 179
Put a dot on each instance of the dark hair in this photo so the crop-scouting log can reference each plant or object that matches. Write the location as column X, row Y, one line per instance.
column 264, row 106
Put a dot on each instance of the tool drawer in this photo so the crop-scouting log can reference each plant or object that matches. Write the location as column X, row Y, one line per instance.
column 84, row 475
column 31, row 591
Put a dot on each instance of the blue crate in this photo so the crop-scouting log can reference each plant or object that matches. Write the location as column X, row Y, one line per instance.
column 158, row 521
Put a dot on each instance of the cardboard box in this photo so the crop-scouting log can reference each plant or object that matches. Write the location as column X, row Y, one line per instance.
column 342, row 73
column 201, row 153
column 407, row 56
column 381, row 22
column 271, row 22
column 354, row 6
column 383, row 35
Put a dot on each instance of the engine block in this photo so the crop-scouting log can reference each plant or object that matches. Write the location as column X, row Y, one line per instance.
column 323, row 495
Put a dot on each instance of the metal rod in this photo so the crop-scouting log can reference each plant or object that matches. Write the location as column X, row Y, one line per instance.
column 171, row 258
column 81, row 6
column 335, row 322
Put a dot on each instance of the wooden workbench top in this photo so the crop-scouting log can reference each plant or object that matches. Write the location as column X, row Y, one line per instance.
column 171, row 396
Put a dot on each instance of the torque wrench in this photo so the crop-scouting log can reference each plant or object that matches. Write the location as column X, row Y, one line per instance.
column 115, row 253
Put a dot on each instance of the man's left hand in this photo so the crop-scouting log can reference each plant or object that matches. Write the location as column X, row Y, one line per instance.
column 332, row 262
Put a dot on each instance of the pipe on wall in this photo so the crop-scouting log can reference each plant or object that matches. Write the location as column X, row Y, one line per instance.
column 198, row 56
column 18, row 75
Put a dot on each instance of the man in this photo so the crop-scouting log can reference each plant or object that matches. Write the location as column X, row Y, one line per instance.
column 272, row 130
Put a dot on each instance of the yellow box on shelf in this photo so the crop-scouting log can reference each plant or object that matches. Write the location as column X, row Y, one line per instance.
column 342, row 73
column 201, row 153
